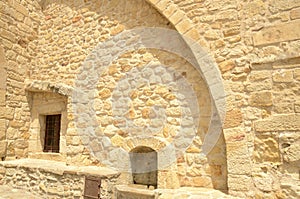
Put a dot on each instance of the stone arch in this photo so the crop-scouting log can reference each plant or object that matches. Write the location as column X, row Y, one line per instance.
column 179, row 19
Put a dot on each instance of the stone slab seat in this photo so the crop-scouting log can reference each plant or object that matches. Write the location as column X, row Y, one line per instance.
column 60, row 168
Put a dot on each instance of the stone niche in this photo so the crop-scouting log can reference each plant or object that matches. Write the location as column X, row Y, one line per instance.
column 42, row 105
column 143, row 162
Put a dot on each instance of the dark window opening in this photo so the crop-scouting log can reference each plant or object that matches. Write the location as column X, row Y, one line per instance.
column 52, row 133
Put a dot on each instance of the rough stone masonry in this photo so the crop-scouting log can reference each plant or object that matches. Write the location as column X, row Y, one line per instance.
column 254, row 46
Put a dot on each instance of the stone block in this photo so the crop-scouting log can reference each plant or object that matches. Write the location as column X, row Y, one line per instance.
column 231, row 31
column 2, row 129
column 8, row 35
column 183, row 26
column 262, row 98
column 259, row 75
column 266, row 148
column 238, row 158
column 283, row 76
column 177, row 16
column 297, row 107
column 233, row 118
column 239, row 182
column 234, row 134
column 297, row 74
column 6, row 112
column 284, row 4
column 227, row 65
column 290, row 146
column 254, row 7
column 278, row 33
column 295, row 13
column 3, row 146
column 284, row 122
column 262, row 85
column 2, row 97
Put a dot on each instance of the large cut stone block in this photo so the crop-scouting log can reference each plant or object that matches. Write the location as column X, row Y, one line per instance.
column 284, row 122
column 263, row 98
column 266, row 148
column 233, row 118
column 278, row 33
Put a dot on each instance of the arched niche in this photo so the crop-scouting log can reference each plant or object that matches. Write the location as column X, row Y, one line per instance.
column 144, row 169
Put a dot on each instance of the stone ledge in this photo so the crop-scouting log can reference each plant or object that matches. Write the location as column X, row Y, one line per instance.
column 124, row 191
column 281, row 63
column 60, row 168
column 42, row 86
column 137, row 192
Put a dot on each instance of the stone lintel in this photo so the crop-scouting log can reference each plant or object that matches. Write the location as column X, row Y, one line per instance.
column 284, row 122
column 278, row 33
column 286, row 63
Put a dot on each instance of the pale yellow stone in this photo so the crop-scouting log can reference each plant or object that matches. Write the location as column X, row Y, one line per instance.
column 278, row 33
column 117, row 140
column 2, row 129
column 297, row 74
column 263, row 98
column 233, row 118
column 283, row 76
column 297, row 107
column 284, row 122
column 226, row 65
column 259, row 75
column 104, row 93
column 295, row 13
column 266, row 148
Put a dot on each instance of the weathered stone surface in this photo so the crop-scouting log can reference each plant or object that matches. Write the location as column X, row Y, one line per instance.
column 233, row 118
column 290, row 146
column 278, row 33
column 2, row 97
column 284, row 122
column 297, row 107
column 263, row 98
column 266, row 148
column 2, row 129
column 259, row 75
column 297, row 74
column 295, row 13
column 284, row 4
column 3, row 148
column 283, row 76
column 227, row 65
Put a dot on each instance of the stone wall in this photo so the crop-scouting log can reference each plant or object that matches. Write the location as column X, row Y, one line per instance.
column 52, row 179
column 255, row 43
column 19, row 27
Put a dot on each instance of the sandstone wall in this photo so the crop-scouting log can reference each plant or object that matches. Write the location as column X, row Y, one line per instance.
column 255, row 43
column 19, row 25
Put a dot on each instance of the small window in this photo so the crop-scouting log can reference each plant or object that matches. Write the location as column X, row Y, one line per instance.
column 52, row 133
